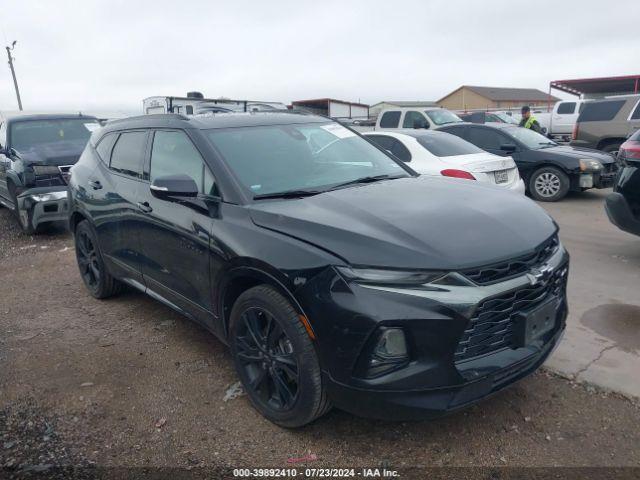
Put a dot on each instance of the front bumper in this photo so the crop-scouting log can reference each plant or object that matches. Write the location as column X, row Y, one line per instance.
column 506, row 367
column 620, row 213
column 459, row 350
column 43, row 205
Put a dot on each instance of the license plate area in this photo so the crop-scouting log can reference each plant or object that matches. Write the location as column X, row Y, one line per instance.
column 501, row 176
column 535, row 323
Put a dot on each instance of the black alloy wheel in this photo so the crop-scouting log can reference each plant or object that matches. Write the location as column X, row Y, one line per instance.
column 268, row 359
column 275, row 358
column 94, row 273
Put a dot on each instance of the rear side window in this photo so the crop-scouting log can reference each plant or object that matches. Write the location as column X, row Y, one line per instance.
column 173, row 153
column 382, row 141
column 446, row 145
column 128, row 152
column 105, row 146
column 486, row 138
column 600, row 111
column 414, row 120
column 400, row 151
column 636, row 113
column 566, row 108
column 390, row 120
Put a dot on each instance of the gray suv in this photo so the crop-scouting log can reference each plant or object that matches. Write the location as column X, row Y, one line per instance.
column 606, row 124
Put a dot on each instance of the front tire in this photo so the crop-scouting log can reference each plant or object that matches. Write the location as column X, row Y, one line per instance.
column 549, row 184
column 275, row 358
column 93, row 270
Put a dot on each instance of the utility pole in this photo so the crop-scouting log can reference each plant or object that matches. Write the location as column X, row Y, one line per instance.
column 13, row 73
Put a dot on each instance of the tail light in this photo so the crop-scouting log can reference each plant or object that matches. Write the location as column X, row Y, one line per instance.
column 452, row 172
column 574, row 135
column 630, row 150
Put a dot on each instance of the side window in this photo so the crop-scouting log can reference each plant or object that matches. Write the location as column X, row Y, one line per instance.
column 390, row 120
column 173, row 153
column 400, row 151
column 414, row 120
column 601, row 111
column 105, row 146
column 457, row 131
column 3, row 134
column 486, row 138
column 566, row 108
column 128, row 152
column 382, row 141
column 634, row 116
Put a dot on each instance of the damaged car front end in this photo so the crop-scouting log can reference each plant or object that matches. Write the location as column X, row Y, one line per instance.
column 37, row 155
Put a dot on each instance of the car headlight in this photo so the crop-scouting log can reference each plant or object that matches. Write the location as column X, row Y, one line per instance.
column 588, row 165
column 389, row 277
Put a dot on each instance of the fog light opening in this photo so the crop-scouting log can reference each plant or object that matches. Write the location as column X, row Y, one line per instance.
column 390, row 352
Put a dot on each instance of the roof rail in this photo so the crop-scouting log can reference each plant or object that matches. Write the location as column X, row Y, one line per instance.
column 176, row 116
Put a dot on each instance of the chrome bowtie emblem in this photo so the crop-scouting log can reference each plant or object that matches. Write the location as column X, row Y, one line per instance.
column 540, row 275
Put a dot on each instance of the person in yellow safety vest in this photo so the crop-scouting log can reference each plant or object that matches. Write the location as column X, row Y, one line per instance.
column 529, row 121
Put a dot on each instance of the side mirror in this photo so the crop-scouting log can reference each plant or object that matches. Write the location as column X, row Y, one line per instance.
column 172, row 186
column 508, row 147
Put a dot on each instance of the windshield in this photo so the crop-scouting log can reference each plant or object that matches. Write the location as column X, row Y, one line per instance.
column 503, row 117
column 447, row 145
column 442, row 116
column 26, row 134
column 312, row 156
column 531, row 139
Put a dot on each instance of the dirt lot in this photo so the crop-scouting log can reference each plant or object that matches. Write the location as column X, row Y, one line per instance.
column 128, row 382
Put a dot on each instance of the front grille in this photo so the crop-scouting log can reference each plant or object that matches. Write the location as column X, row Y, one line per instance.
column 50, row 180
column 492, row 327
column 512, row 268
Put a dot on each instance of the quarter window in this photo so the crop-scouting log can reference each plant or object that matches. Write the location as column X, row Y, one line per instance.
column 173, row 153
column 414, row 120
column 105, row 146
column 400, row 151
column 390, row 120
column 127, row 154
column 383, row 141
column 566, row 108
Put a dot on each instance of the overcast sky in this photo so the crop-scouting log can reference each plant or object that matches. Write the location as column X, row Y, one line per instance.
column 109, row 55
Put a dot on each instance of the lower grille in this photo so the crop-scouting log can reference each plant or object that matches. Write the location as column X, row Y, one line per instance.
column 492, row 327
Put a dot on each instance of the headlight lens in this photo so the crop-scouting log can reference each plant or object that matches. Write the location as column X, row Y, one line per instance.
column 389, row 277
column 587, row 165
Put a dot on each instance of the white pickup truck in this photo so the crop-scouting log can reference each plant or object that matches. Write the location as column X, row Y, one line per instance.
column 396, row 118
column 560, row 121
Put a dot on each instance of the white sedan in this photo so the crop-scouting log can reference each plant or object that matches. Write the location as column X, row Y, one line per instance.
column 442, row 154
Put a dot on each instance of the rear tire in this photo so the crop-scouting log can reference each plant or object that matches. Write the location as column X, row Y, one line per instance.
column 275, row 358
column 93, row 270
column 549, row 184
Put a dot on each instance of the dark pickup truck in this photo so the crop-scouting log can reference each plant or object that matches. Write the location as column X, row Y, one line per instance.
column 36, row 153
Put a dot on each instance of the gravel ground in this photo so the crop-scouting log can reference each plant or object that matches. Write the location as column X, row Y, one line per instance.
column 128, row 382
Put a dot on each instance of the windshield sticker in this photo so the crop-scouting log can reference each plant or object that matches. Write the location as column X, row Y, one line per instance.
column 338, row 130
column 92, row 127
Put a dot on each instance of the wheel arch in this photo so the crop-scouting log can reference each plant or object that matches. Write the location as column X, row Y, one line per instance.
column 608, row 141
column 241, row 278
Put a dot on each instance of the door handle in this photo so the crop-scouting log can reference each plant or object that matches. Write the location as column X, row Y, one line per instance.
column 145, row 207
column 95, row 184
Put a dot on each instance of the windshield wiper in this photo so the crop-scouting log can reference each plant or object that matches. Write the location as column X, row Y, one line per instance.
column 370, row 179
column 288, row 194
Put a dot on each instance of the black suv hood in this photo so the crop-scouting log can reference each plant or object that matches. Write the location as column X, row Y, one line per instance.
column 426, row 223
column 577, row 152
column 54, row 153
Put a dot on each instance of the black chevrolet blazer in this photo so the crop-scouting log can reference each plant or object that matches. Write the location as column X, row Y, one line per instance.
column 336, row 275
